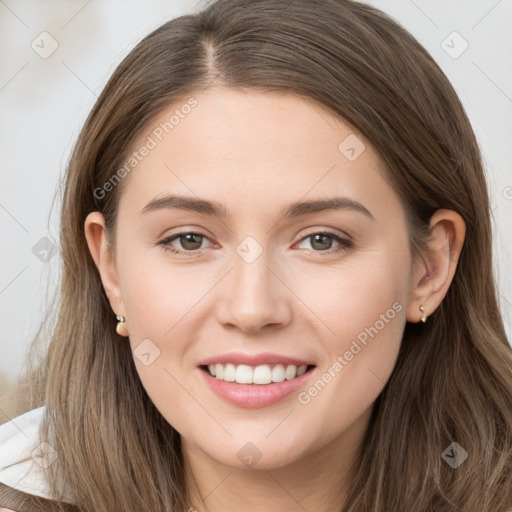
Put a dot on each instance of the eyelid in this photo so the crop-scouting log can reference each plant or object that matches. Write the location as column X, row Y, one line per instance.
column 183, row 230
column 175, row 236
column 329, row 231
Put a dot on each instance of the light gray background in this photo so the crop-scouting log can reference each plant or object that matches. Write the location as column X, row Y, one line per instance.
column 44, row 102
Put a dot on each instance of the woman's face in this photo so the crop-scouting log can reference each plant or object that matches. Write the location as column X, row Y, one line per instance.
column 264, row 283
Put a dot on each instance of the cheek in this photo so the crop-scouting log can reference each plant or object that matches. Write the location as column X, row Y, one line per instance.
column 166, row 305
column 156, row 294
column 356, row 294
column 363, row 324
column 363, row 314
column 159, row 334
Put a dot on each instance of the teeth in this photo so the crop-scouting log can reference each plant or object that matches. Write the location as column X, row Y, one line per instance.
column 243, row 374
column 291, row 372
column 219, row 371
column 229, row 372
column 263, row 374
column 278, row 373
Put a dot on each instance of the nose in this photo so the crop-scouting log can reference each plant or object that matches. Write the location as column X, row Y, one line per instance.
column 254, row 296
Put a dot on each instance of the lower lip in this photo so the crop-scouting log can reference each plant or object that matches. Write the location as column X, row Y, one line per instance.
column 254, row 396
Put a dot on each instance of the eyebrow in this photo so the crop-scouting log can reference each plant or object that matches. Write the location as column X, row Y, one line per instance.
column 213, row 208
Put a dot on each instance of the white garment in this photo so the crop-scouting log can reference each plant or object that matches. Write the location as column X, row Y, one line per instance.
column 23, row 456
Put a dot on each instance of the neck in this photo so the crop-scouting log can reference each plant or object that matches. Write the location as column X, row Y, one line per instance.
column 318, row 481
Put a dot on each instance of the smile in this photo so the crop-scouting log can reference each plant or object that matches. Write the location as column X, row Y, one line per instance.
column 261, row 375
column 251, row 387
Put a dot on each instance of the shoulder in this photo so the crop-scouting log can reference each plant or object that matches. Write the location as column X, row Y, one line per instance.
column 23, row 458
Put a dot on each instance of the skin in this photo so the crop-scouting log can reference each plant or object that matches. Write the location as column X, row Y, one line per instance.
column 256, row 153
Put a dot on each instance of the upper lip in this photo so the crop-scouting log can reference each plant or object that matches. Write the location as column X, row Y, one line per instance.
column 237, row 358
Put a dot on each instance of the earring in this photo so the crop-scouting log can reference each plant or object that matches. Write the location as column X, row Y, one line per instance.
column 120, row 328
column 424, row 317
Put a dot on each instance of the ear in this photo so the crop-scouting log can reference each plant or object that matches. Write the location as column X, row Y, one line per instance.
column 101, row 253
column 433, row 271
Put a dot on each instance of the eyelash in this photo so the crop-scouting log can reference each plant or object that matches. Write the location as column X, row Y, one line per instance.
column 345, row 244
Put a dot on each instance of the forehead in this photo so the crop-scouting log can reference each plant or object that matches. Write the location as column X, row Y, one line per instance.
column 252, row 146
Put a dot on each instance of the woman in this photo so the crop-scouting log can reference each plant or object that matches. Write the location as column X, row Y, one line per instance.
column 277, row 288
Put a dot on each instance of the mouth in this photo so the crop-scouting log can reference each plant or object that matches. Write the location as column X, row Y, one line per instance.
column 252, row 387
column 254, row 381
column 260, row 375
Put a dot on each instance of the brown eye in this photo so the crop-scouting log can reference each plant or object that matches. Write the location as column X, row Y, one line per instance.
column 191, row 241
column 323, row 242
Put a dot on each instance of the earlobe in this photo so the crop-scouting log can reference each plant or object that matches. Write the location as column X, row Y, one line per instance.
column 95, row 233
column 433, row 276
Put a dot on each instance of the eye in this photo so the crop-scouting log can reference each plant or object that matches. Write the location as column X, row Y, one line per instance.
column 322, row 242
column 190, row 241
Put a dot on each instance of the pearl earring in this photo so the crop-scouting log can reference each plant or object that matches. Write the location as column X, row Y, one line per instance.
column 120, row 328
column 424, row 317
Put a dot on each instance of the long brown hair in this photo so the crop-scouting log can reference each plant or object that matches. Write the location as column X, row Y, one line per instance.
column 453, row 378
